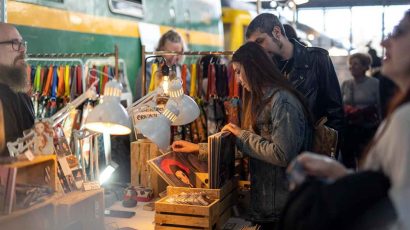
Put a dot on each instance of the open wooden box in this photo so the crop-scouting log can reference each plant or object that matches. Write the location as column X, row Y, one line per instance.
column 180, row 216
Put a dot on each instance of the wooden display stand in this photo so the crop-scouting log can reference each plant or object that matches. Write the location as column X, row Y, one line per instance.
column 182, row 217
column 75, row 210
column 80, row 210
column 141, row 173
column 34, row 172
column 39, row 216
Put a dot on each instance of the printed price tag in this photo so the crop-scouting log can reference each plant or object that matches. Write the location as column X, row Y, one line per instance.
column 91, row 185
column 29, row 155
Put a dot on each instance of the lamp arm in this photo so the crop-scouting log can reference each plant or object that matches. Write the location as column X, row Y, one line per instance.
column 21, row 144
column 142, row 101
column 61, row 114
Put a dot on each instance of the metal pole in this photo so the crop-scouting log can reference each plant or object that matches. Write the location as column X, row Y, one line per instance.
column 143, row 77
column 3, row 10
column 258, row 6
column 116, row 56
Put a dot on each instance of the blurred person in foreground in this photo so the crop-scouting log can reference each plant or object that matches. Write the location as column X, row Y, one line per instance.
column 388, row 152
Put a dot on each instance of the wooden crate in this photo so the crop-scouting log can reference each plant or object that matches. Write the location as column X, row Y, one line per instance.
column 141, row 173
column 39, row 216
column 80, row 210
column 34, row 172
column 179, row 216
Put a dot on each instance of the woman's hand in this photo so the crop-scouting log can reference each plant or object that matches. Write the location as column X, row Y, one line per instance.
column 235, row 130
column 321, row 166
column 185, row 147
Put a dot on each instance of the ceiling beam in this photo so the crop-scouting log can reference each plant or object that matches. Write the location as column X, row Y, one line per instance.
column 348, row 3
column 344, row 3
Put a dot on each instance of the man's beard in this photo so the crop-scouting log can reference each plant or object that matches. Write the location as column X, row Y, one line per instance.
column 15, row 77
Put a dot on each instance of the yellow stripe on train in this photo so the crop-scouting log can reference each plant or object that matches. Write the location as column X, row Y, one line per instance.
column 50, row 18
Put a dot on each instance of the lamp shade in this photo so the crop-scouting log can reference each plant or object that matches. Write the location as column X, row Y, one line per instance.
column 109, row 116
column 188, row 108
column 158, row 129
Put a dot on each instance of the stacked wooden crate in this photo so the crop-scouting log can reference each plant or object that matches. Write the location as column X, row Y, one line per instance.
column 181, row 216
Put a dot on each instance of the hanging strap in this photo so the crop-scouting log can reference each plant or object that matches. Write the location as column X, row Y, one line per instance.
column 92, row 78
column 54, row 84
column 79, row 74
column 47, row 85
column 100, row 78
column 32, row 75
column 73, row 82
column 184, row 71
column 154, row 68
column 67, row 81
column 193, row 88
column 37, row 76
column 106, row 70
column 211, row 81
column 43, row 78
column 60, row 84
column 199, row 74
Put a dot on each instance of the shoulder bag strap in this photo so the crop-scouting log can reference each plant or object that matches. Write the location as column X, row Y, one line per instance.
column 2, row 129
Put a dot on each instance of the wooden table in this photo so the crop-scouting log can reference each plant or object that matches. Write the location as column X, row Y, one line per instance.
column 143, row 220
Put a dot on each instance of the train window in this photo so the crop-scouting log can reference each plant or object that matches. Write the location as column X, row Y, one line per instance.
column 127, row 7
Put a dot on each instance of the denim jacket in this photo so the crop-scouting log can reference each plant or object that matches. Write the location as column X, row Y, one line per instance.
column 284, row 133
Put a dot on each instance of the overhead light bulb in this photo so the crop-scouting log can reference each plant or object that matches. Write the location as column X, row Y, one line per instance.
column 299, row 2
column 273, row 4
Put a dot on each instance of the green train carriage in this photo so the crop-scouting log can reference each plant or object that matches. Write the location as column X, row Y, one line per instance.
column 72, row 26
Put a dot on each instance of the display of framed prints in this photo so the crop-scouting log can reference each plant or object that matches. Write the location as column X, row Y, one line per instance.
column 178, row 169
column 43, row 137
column 221, row 162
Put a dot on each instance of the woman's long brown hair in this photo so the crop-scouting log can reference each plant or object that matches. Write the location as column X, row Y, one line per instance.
column 261, row 73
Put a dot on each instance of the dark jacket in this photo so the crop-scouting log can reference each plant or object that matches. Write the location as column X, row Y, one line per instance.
column 314, row 76
column 18, row 114
column 356, row 201
column 284, row 131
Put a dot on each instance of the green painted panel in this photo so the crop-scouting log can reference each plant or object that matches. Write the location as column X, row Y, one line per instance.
column 58, row 41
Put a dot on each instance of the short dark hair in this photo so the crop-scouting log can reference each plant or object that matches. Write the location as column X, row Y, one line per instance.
column 290, row 31
column 264, row 23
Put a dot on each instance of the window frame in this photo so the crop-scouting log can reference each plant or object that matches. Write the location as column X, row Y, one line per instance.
column 122, row 12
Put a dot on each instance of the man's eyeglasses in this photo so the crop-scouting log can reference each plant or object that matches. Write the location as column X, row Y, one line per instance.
column 397, row 32
column 16, row 44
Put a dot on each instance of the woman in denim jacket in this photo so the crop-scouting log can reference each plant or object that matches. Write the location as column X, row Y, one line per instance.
column 276, row 126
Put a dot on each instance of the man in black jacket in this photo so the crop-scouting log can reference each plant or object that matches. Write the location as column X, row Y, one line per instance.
column 309, row 69
column 18, row 109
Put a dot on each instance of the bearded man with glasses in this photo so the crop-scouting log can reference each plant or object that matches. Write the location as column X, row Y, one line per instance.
column 18, row 111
